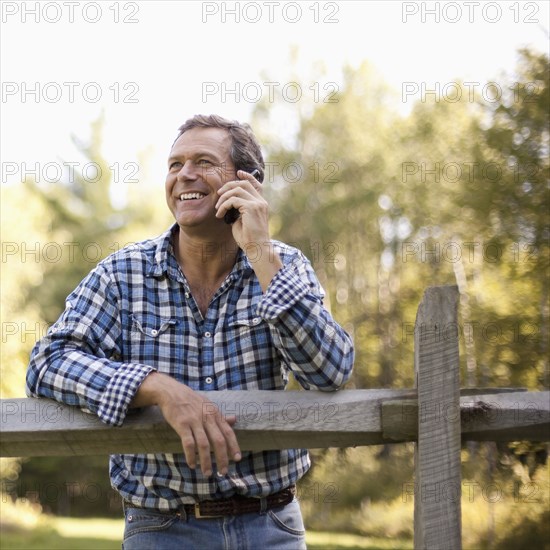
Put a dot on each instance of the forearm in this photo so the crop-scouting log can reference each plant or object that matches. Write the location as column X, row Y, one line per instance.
column 78, row 361
column 318, row 351
column 154, row 388
column 312, row 344
column 60, row 370
column 266, row 263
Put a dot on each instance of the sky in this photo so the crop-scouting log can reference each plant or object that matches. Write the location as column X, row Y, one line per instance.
column 151, row 65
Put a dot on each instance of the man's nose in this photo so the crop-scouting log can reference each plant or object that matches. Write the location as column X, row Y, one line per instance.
column 188, row 171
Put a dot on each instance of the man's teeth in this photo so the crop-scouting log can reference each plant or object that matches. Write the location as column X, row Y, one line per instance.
column 190, row 196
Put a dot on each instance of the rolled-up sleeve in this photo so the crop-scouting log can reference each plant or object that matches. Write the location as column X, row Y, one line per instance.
column 316, row 348
column 76, row 361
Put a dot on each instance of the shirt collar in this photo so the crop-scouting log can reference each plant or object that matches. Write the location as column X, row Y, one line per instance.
column 164, row 259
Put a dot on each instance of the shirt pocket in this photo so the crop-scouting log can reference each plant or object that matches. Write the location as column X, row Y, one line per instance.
column 247, row 333
column 155, row 341
column 246, row 353
column 150, row 325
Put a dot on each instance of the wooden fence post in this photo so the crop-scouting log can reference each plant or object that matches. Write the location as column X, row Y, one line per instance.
column 437, row 510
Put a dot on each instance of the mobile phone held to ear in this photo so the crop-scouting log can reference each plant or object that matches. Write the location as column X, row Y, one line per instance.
column 232, row 215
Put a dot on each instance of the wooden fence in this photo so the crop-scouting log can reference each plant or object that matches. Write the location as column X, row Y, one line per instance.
column 437, row 415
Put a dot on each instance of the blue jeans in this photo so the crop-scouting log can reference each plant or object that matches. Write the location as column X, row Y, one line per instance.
column 276, row 529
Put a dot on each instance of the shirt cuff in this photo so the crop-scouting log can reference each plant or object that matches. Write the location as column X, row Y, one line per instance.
column 120, row 391
column 284, row 290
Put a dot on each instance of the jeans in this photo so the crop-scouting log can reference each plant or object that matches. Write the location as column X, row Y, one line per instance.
column 277, row 529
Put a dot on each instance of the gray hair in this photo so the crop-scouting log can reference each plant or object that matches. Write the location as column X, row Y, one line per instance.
column 245, row 151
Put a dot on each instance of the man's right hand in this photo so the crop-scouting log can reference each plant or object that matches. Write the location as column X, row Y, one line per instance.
column 197, row 421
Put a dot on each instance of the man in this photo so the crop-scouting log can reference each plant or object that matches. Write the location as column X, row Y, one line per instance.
column 190, row 311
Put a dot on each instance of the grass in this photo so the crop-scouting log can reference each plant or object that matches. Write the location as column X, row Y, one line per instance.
column 317, row 540
column 106, row 534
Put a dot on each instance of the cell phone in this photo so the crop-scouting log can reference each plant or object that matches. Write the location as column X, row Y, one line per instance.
column 232, row 215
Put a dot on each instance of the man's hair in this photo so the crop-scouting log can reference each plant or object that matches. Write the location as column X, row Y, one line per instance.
column 245, row 151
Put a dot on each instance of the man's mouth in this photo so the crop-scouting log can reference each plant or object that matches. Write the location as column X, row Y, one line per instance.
column 191, row 196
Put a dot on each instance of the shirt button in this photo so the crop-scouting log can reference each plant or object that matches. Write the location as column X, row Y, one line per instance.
column 256, row 320
column 187, row 294
column 154, row 332
column 207, row 334
column 208, row 380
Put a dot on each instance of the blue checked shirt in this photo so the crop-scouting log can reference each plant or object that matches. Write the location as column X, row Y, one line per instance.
column 134, row 314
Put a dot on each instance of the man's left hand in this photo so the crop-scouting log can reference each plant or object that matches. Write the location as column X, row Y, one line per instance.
column 251, row 230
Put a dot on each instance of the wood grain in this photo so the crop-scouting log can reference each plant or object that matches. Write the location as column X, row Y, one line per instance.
column 437, row 514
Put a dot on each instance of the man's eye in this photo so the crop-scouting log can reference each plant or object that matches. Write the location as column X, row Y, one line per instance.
column 175, row 165
column 204, row 162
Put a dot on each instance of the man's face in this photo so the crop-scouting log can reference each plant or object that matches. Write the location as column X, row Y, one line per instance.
column 199, row 164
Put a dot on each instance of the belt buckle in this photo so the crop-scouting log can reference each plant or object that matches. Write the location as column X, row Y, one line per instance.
column 198, row 514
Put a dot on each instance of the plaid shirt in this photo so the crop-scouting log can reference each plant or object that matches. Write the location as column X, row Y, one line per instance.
column 134, row 314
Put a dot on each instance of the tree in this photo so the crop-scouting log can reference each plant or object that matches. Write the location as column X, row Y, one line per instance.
column 385, row 205
column 64, row 228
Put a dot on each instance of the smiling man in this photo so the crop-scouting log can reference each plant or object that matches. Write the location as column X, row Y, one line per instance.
column 190, row 310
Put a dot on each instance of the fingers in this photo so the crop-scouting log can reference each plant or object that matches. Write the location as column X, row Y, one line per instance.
column 217, row 441
column 249, row 177
column 227, row 202
column 243, row 194
column 217, row 437
column 231, row 419
column 203, row 441
column 200, row 425
column 236, row 195
column 245, row 181
column 231, row 442
column 196, row 442
column 224, row 444
column 206, row 433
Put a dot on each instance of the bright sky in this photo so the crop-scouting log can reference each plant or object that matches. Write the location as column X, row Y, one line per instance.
column 151, row 65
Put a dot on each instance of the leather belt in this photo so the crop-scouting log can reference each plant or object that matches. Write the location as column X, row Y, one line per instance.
column 230, row 506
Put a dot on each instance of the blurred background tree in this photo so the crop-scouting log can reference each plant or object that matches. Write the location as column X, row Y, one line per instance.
column 54, row 233
column 384, row 204
column 456, row 192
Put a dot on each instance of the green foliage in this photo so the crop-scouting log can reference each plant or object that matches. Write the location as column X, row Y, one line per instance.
column 360, row 490
column 384, row 205
column 530, row 533
column 67, row 487
column 453, row 193
column 38, row 539
column 84, row 224
column 69, row 225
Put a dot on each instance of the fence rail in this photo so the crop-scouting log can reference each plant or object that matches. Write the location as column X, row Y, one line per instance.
column 276, row 420
column 437, row 415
